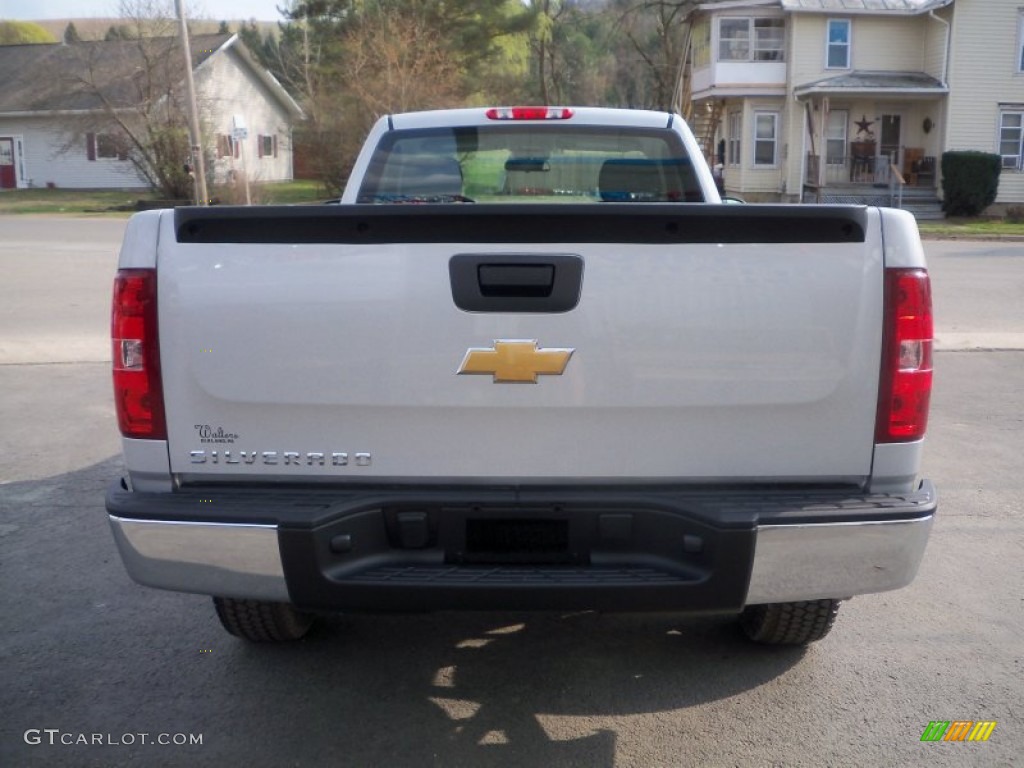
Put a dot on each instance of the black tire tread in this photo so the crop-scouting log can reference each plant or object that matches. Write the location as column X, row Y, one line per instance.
column 260, row 621
column 796, row 623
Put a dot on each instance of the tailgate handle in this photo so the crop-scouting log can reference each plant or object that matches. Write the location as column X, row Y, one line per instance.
column 525, row 280
column 516, row 282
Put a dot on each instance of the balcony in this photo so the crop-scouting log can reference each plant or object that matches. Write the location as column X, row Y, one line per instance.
column 727, row 77
column 739, row 56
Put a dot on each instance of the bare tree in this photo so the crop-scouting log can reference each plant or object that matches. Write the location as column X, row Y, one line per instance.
column 659, row 31
column 391, row 62
column 397, row 63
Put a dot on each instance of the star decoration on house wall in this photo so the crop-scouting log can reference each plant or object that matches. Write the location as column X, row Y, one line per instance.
column 864, row 126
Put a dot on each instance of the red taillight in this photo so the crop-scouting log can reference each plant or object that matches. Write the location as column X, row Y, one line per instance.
column 138, row 393
column 529, row 113
column 906, row 384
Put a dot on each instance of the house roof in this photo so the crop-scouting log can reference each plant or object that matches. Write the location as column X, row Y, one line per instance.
column 845, row 7
column 883, row 83
column 725, row 5
column 904, row 7
column 89, row 76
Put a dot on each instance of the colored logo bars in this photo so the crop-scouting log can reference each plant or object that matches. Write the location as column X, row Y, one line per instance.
column 958, row 730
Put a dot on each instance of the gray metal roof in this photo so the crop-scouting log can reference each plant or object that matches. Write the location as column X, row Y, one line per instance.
column 907, row 7
column 875, row 82
column 90, row 76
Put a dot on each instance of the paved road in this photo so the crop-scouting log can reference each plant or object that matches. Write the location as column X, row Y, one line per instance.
column 86, row 653
column 979, row 294
column 55, row 292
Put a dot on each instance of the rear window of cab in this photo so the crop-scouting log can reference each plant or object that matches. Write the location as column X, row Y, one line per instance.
column 534, row 163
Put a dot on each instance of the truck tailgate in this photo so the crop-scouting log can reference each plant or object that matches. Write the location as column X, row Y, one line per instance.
column 708, row 343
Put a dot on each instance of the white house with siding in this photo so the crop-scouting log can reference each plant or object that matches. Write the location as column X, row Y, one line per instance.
column 53, row 129
column 985, row 107
column 856, row 100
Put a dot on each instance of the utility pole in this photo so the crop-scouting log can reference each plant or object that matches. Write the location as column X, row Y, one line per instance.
column 202, row 198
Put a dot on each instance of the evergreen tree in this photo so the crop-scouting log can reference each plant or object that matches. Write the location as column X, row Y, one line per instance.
column 71, row 34
column 118, row 32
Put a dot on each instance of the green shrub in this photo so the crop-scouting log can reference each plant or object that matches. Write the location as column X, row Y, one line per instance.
column 970, row 181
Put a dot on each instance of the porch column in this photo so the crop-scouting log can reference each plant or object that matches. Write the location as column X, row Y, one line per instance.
column 822, row 145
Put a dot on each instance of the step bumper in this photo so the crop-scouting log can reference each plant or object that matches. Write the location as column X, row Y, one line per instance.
column 658, row 551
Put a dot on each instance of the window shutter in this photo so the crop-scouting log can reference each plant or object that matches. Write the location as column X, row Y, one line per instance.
column 90, row 146
column 259, row 146
column 275, row 145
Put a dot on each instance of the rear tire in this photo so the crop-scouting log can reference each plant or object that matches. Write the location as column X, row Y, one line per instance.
column 260, row 621
column 789, row 623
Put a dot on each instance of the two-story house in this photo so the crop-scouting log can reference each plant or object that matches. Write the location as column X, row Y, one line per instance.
column 856, row 100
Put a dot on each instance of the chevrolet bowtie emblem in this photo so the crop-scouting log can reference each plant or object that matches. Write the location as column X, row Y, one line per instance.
column 515, row 361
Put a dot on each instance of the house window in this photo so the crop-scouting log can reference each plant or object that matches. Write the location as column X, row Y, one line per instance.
column 1011, row 139
column 1020, row 43
column 838, row 50
column 766, row 132
column 223, row 145
column 108, row 146
column 734, row 39
column 267, row 146
column 769, row 39
column 751, row 39
column 105, row 146
column 228, row 146
column 735, row 131
column 835, row 137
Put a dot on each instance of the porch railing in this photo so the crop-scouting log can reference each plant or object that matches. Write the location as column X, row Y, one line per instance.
column 848, row 169
column 896, row 184
column 893, row 178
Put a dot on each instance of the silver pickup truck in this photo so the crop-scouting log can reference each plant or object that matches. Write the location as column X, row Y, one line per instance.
column 529, row 362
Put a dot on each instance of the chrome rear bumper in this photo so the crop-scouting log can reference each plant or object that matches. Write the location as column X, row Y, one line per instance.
column 227, row 560
column 832, row 560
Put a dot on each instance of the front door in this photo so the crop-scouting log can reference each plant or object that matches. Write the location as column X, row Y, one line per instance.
column 889, row 146
column 8, row 180
column 835, row 146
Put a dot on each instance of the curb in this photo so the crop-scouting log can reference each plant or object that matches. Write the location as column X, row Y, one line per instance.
column 976, row 238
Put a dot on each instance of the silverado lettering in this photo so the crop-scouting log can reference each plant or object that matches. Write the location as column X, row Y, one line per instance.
column 288, row 458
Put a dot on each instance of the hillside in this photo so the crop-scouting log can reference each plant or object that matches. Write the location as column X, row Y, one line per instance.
column 95, row 29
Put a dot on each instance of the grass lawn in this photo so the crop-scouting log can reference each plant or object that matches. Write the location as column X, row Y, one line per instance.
column 967, row 228
column 92, row 202
column 281, row 193
column 67, row 201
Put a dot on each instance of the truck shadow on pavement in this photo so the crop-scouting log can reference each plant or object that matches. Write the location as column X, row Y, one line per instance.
column 518, row 689
column 91, row 652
